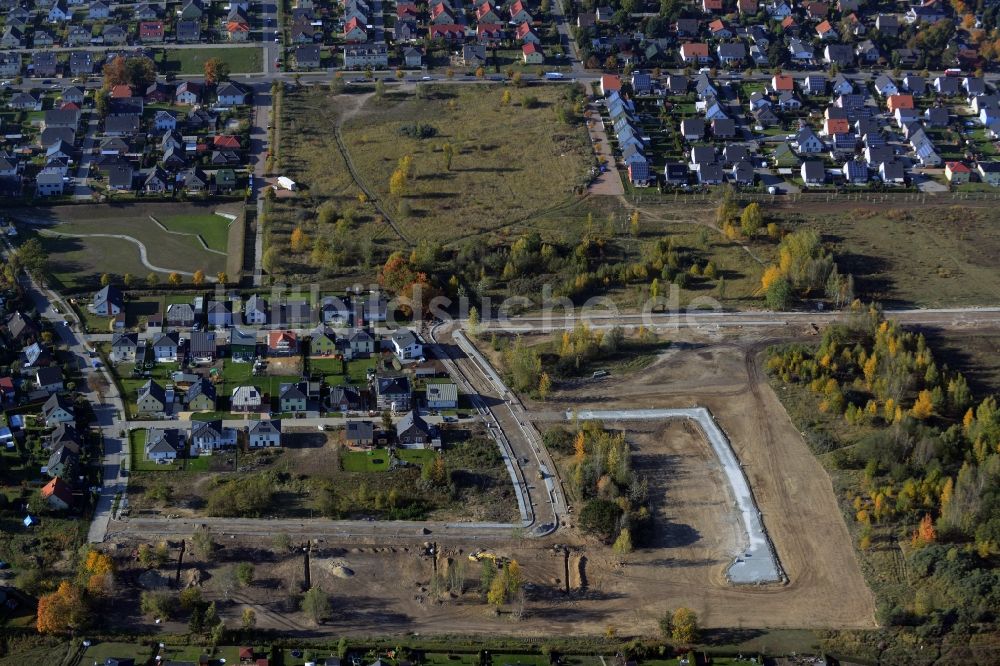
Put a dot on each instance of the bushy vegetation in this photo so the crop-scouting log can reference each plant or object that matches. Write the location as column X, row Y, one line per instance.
column 246, row 497
column 530, row 369
column 614, row 499
column 418, row 131
column 805, row 269
column 917, row 458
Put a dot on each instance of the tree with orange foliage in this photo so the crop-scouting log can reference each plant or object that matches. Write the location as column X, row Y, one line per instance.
column 62, row 610
column 97, row 573
column 925, row 533
column 299, row 242
column 417, row 295
column 396, row 273
column 114, row 72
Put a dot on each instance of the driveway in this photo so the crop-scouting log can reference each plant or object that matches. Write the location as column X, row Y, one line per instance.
column 608, row 183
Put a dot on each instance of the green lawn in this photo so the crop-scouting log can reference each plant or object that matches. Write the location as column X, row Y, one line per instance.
column 357, row 370
column 416, row 456
column 214, row 229
column 376, row 460
column 139, row 463
column 241, row 60
column 79, row 259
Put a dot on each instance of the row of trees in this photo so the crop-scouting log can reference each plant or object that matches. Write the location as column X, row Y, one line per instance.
column 152, row 280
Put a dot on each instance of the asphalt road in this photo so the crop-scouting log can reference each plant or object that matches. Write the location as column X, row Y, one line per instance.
column 108, row 408
column 945, row 317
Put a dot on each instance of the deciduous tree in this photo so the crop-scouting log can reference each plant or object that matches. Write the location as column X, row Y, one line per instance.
column 316, row 604
column 544, row 386
column 216, row 70
column 924, row 406
column 684, row 626
column 299, row 242
column 61, row 610
column 751, row 219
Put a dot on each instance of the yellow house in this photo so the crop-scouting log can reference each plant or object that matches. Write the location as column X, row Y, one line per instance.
column 323, row 342
column 200, row 396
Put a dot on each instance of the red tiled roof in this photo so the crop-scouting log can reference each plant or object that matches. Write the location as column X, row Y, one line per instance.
column 226, row 141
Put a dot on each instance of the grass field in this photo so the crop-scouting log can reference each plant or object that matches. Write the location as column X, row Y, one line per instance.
column 78, row 262
column 214, row 229
column 241, row 60
column 926, row 257
column 975, row 354
column 510, row 162
column 494, row 182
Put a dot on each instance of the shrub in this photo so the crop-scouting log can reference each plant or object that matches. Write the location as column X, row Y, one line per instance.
column 418, row 131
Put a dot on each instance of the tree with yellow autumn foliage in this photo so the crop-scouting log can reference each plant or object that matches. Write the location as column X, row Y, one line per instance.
column 299, row 242
column 923, row 407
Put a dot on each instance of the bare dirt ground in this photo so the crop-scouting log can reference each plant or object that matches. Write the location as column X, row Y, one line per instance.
column 792, row 490
column 385, row 588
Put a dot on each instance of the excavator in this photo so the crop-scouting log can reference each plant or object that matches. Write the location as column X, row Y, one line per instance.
column 480, row 555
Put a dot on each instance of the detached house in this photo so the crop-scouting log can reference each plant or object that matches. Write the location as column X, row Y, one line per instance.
column 282, row 343
column 412, row 432
column 210, row 436
column 200, row 396
column 292, row 398
column 151, row 31
column 164, row 445
column 242, row 345
column 123, row 347
column 58, row 409
column 246, row 399
column 442, row 396
column 108, row 302
column 406, row 345
column 166, row 347
column 151, row 400
column 264, row 434
column 230, row 94
column 393, row 393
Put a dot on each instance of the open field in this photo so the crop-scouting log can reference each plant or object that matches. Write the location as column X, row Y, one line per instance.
column 793, row 491
column 241, row 60
column 976, row 354
column 500, row 156
column 78, row 262
column 486, row 189
column 930, row 256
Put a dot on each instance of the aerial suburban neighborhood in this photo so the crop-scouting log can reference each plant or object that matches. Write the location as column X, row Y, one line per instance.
column 644, row 333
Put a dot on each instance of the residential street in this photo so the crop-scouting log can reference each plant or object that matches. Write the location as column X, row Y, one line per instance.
column 109, row 411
